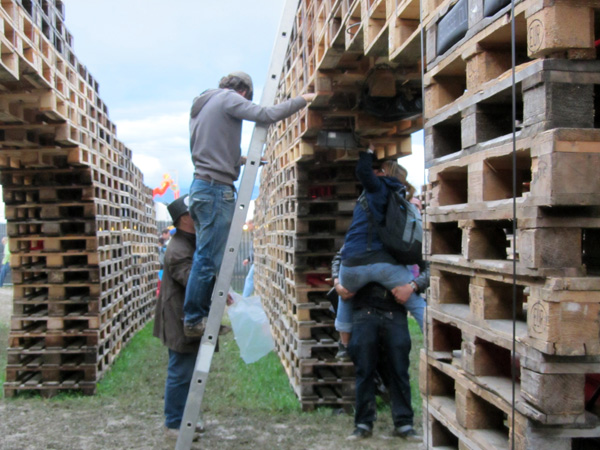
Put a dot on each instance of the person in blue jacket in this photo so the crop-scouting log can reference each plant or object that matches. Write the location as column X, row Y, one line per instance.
column 364, row 258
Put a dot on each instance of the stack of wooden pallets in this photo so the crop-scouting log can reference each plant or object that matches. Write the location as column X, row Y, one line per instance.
column 466, row 371
column 309, row 189
column 80, row 221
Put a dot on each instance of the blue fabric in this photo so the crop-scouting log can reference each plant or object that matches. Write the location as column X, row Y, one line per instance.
column 249, row 283
column 4, row 272
column 343, row 317
column 380, row 341
column 388, row 275
column 356, row 241
column 211, row 206
column 416, row 306
column 179, row 376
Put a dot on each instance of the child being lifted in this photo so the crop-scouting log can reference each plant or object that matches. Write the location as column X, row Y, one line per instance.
column 364, row 258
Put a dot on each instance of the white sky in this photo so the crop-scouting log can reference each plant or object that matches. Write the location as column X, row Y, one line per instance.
column 151, row 58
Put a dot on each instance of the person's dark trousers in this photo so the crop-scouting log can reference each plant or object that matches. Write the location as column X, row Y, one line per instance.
column 179, row 376
column 380, row 334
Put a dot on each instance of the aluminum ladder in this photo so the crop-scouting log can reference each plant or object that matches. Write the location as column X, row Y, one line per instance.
column 225, row 275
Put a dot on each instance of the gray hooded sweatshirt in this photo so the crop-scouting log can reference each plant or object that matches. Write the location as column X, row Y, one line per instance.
column 216, row 130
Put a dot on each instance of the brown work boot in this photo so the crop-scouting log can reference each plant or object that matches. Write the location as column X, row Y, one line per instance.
column 196, row 330
column 171, row 434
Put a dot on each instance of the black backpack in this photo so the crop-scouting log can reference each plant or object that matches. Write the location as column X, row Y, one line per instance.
column 402, row 230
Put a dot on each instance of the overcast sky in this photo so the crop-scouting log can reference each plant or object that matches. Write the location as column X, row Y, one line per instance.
column 151, row 58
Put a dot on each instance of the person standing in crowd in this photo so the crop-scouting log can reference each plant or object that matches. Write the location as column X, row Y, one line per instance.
column 5, row 261
column 215, row 135
column 165, row 235
column 380, row 335
column 162, row 249
column 168, row 324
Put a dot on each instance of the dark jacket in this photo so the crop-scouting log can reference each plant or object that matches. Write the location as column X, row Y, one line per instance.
column 374, row 295
column 362, row 244
column 168, row 321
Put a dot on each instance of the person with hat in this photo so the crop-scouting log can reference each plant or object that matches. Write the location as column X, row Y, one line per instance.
column 168, row 324
column 215, row 136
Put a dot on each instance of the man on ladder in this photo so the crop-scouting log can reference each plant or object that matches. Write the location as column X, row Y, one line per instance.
column 215, row 135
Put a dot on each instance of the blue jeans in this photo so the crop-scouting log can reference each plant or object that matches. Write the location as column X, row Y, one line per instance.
column 379, row 336
column 179, row 376
column 388, row 275
column 211, row 206
column 4, row 272
column 249, row 283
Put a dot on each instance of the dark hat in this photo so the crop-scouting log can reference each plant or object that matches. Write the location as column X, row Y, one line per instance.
column 178, row 208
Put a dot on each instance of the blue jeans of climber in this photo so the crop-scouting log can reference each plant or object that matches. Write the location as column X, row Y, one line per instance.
column 211, row 206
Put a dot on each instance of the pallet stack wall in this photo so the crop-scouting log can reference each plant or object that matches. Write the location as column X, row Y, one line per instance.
column 80, row 221
column 466, row 378
column 309, row 189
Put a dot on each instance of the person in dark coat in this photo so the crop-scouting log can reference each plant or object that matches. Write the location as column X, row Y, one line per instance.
column 168, row 322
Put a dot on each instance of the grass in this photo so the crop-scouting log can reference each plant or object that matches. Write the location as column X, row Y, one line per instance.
column 136, row 380
column 260, row 387
column 138, row 375
column 417, row 345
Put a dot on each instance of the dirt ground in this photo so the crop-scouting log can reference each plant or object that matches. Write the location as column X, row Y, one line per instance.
column 93, row 423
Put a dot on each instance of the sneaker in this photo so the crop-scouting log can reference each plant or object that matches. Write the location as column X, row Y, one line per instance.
column 360, row 433
column 407, row 432
column 342, row 354
column 196, row 330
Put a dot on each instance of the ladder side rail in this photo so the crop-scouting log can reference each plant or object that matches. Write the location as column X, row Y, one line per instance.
column 221, row 289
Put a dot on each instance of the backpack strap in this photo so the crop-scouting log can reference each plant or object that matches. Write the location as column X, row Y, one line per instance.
column 362, row 201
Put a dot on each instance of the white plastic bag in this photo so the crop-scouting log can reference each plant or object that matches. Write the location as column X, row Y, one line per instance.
column 250, row 327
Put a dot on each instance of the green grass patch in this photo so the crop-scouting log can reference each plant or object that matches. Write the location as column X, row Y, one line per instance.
column 417, row 344
column 260, row 387
column 139, row 371
column 136, row 380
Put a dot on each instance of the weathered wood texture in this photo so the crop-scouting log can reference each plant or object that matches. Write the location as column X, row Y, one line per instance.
column 80, row 221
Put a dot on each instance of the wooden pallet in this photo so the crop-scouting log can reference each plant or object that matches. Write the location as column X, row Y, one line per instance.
column 478, row 414
column 566, row 249
column 464, row 30
column 551, row 170
column 554, row 315
column 550, row 94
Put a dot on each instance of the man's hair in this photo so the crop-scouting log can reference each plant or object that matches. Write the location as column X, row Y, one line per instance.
column 237, row 84
column 166, row 230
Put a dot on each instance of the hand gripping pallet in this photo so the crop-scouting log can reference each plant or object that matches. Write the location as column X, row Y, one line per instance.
column 219, row 294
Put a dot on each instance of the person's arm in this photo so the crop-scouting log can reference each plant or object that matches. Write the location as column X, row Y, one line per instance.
column 240, row 108
column 364, row 171
column 179, row 265
column 422, row 281
column 335, row 275
column 417, row 286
